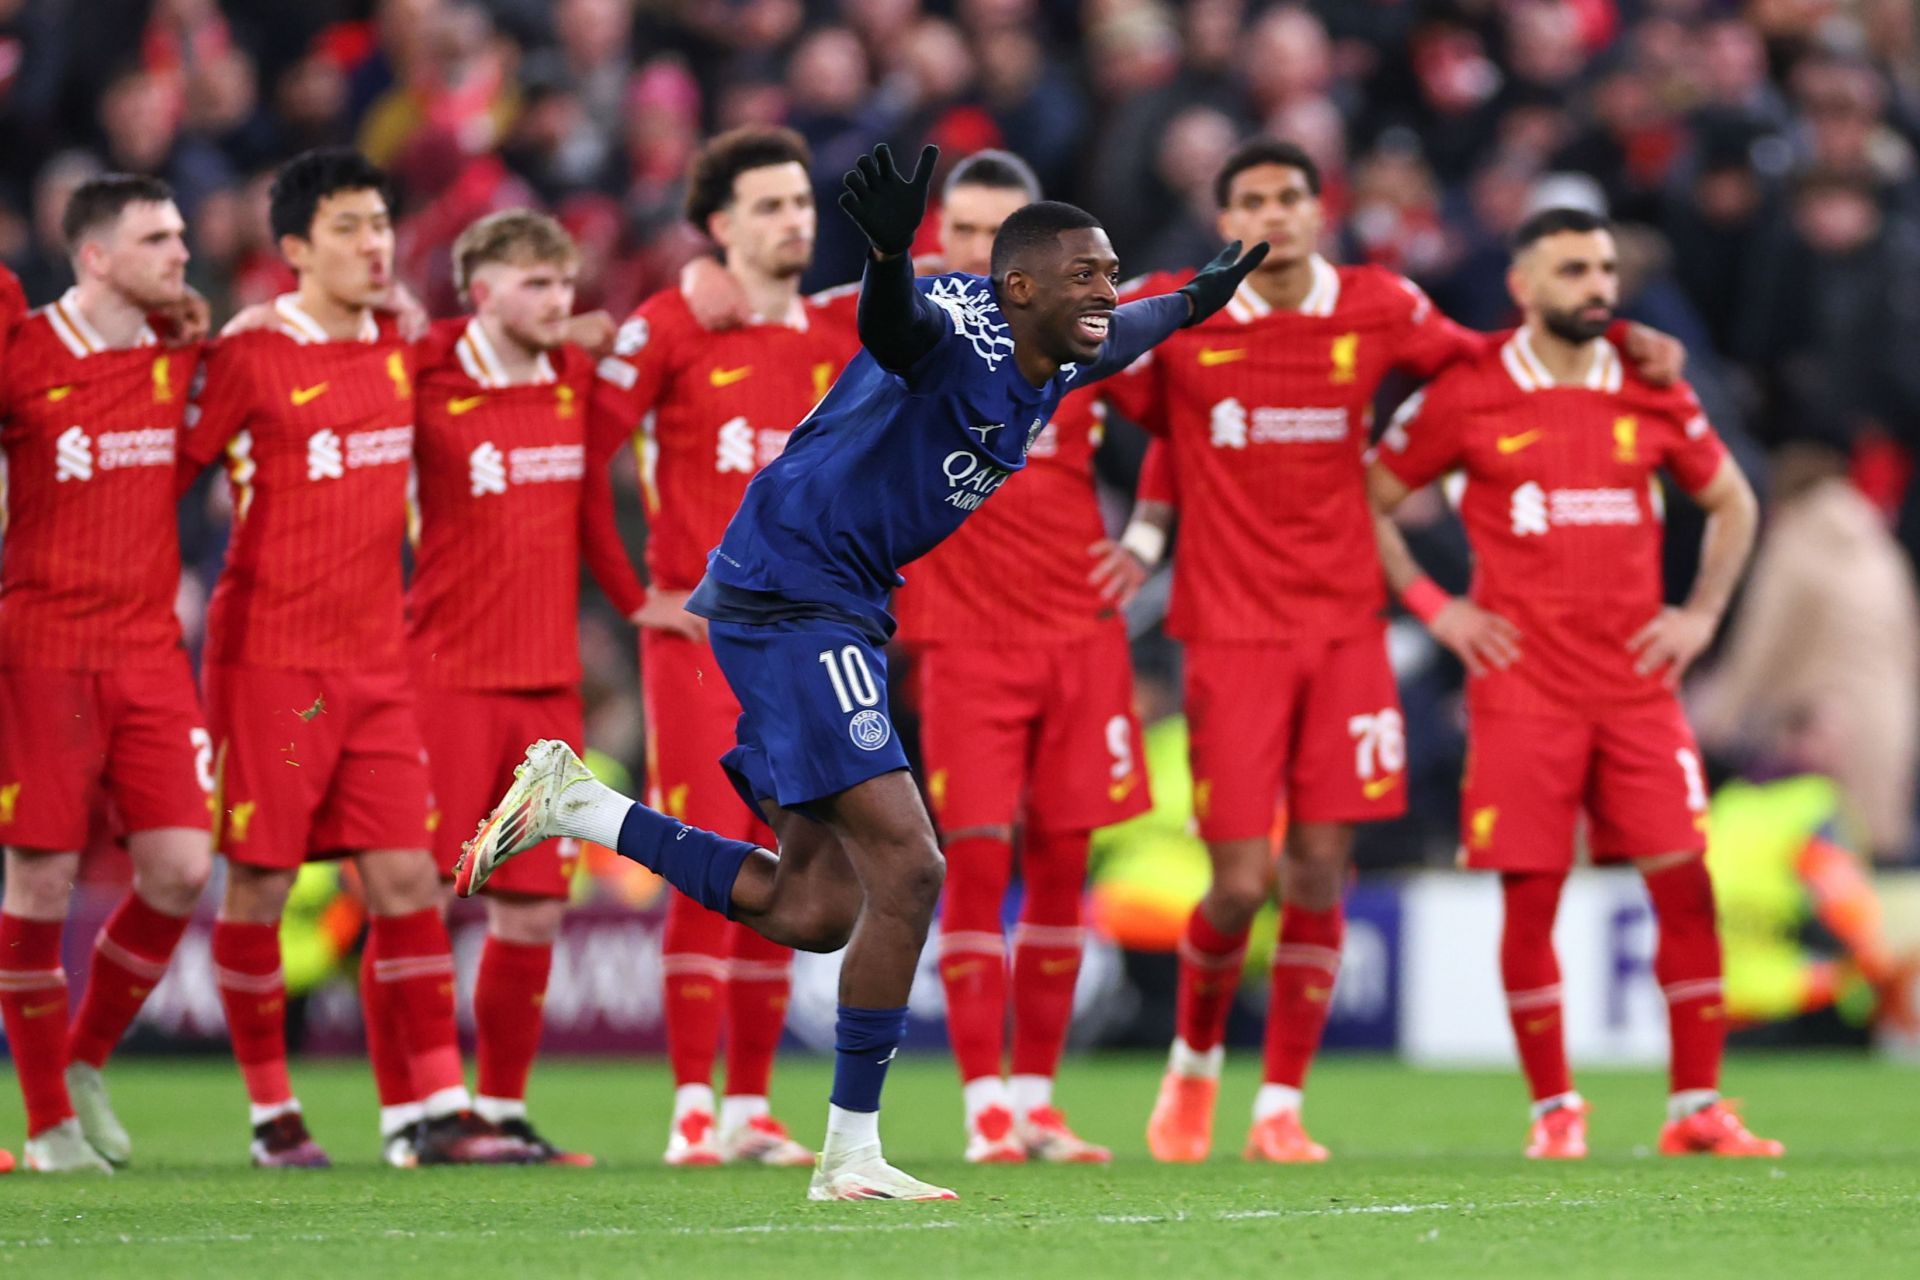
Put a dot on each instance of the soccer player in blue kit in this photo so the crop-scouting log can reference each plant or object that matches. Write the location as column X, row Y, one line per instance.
column 958, row 375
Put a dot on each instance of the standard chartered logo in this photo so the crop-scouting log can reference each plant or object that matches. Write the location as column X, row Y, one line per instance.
column 325, row 459
column 735, row 451
column 1529, row 510
column 486, row 470
column 1229, row 425
column 73, row 456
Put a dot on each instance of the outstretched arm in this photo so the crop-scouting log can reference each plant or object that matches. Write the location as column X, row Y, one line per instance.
column 898, row 323
column 1141, row 325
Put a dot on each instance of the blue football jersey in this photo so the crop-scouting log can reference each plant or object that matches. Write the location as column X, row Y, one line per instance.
column 889, row 464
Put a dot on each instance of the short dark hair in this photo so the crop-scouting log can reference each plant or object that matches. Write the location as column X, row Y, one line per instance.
column 101, row 200
column 999, row 170
column 1554, row 221
column 310, row 177
column 1255, row 152
column 720, row 163
column 1035, row 226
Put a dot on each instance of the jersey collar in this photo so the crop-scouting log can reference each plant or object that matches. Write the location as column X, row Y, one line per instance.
column 80, row 338
column 1323, row 295
column 295, row 323
column 483, row 364
column 1530, row 374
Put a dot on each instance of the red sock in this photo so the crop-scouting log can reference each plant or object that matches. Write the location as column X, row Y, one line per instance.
column 507, row 1002
column 33, row 1004
column 1305, row 963
column 253, row 991
column 414, row 962
column 1209, row 976
column 1046, row 948
column 973, row 952
column 696, row 981
column 386, row 1048
column 1531, row 974
column 1688, row 967
column 759, row 980
column 129, row 959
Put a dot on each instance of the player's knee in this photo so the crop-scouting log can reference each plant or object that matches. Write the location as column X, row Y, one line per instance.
column 400, row 882
column 173, row 885
column 38, row 885
column 1236, row 896
column 255, row 895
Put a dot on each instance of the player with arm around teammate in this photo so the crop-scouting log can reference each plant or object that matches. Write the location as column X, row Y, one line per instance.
column 959, row 375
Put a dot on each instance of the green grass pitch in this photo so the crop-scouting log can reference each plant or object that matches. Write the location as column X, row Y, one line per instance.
column 1426, row 1180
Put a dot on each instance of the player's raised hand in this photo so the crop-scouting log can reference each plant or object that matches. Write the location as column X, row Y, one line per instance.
column 187, row 321
column 1217, row 282
column 667, row 611
column 1482, row 640
column 1658, row 357
column 1671, row 642
column 1117, row 573
column 884, row 205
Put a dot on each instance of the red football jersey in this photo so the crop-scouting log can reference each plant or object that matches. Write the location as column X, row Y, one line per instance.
column 318, row 437
column 1016, row 571
column 705, row 411
column 495, row 597
column 1562, row 508
column 92, row 557
column 1268, row 413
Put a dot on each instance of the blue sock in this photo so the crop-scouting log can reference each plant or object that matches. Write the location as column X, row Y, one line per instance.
column 698, row 863
column 864, row 1041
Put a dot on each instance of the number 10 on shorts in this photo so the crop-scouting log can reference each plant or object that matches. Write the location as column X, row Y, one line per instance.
column 852, row 681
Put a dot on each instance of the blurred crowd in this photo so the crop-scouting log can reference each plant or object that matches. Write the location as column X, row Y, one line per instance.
column 1761, row 157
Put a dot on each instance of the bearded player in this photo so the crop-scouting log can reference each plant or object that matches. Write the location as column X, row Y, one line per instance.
column 1289, row 693
column 957, row 377
column 97, row 701
column 705, row 412
column 310, row 697
column 1573, row 660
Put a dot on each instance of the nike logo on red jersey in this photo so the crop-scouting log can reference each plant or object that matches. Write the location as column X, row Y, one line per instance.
column 1211, row 356
column 1514, row 444
column 727, row 377
column 464, row 404
column 304, row 395
column 57, row 394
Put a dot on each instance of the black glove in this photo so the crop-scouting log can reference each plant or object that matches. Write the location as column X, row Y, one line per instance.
column 885, row 205
column 1214, row 287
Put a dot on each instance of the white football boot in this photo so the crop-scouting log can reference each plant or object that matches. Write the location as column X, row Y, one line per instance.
column 864, row 1174
column 63, row 1149
column 524, row 817
column 88, row 1093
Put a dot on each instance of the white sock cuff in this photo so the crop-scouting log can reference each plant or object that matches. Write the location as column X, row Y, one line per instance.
column 444, row 1102
column 401, row 1116
column 1272, row 1099
column 692, row 1097
column 1030, row 1093
column 982, row 1092
column 849, row 1131
column 592, row 810
column 1687, row 1101
column 260, row 1113
column 736, row 1109
column 500, row 1110
column 1571, row 1098
column 1195, row 1063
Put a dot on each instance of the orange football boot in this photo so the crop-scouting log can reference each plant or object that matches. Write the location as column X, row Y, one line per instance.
column 1715, row 1130
column 1560, row 1134
column 1180, row 1131
column 1282, row 1139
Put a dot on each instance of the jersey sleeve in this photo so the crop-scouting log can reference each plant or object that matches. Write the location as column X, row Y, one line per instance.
column 1423, row 442
column 1697, row 451
column 628, row 381
column 217, row 410
column 1425, row 340
column 600, row 544
column 1157, row 480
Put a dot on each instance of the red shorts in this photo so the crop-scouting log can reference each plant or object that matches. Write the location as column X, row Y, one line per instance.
column 72, row 739
column 1315, row 724
column 315, row 764
column 474, row 739
column 1044, row 733
column 691, row 717
column 1635, row 772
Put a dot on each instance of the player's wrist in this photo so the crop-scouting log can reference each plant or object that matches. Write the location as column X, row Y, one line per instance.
column 1424, row 599
column 1145, row 541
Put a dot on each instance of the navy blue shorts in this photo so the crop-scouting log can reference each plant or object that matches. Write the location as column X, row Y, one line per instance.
column 813, row 710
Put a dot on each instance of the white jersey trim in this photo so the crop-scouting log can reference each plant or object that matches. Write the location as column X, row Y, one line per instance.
column 79, row 337
column 1323, row 295
column 482, row 362
column 295, row 323
column 1529, row 372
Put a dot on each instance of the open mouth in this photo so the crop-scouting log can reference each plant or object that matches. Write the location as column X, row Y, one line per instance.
column 1094, row 325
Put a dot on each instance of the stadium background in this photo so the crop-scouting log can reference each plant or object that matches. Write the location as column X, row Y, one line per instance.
column 1760, row 156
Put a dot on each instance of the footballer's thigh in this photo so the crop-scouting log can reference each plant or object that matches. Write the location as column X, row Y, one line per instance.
column 1348, row 758
column 980, row 708
column 1647, row 796
column 54, row 738
column 692, row 721
column 377, row 801
column 1521, row 795
column 276, row 746
column 160, row 778
column 1087, row 768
